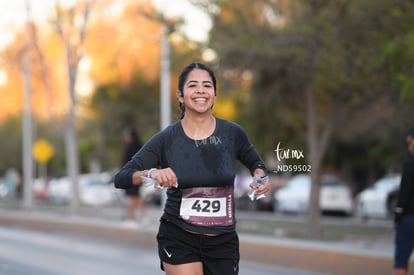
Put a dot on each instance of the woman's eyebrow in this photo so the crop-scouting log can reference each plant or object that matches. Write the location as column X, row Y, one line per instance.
column 195, row 81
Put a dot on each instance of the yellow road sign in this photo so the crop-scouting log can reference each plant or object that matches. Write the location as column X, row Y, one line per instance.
column 42, row 151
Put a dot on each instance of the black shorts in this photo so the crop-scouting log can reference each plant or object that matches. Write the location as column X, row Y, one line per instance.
column 133, row 192
column 219, row 254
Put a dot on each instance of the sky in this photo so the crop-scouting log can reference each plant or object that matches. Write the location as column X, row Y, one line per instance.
column 13, row 13
column 197, row 23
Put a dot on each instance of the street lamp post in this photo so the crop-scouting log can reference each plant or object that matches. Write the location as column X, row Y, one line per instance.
column 27, row 121
column 165, row 95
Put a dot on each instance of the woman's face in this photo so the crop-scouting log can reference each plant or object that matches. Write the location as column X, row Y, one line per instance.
column 198, row 92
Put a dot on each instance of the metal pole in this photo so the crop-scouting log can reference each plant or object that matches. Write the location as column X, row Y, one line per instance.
column 27, row 122
column 165, row 95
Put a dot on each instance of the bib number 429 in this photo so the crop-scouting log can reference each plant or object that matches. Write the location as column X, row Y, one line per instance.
column 211, row 206
column 206, row 206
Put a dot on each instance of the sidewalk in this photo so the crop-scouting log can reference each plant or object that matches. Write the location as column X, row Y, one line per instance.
column 326, row 257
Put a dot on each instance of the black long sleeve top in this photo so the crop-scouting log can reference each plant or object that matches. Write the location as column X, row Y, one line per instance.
column 406, row 192
column 208, row 164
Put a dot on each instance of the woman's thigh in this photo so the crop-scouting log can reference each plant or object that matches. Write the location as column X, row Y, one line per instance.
column 194, row 268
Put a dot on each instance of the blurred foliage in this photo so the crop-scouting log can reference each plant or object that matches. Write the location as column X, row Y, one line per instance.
column 354, row 55
column 117, row 109
column 10, row 144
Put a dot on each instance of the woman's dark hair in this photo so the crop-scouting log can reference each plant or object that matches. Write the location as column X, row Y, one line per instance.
column 183, row 78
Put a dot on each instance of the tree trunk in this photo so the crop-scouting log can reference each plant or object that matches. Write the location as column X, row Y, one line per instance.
column 72, row 154
column 72, row 160
column 72, row 37
column 314, row 217
column 318, row 138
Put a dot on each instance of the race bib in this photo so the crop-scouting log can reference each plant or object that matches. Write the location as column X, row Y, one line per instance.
column 207, row 206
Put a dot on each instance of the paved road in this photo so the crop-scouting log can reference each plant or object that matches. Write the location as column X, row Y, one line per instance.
column 45, row 253
column 104, row 225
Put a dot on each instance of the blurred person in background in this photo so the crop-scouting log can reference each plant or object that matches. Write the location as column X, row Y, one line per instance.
column 12, row 182
column 404, row 214
column 195, row 159
column 134, row 201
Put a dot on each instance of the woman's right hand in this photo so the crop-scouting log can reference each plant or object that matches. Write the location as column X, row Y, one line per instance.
column 166, row 177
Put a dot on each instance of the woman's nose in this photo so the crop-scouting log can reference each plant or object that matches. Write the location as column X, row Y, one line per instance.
column 200, row 89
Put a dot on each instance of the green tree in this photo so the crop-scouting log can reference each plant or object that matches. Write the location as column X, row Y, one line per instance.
column 127, row 78
column 11, row 144
column 116, row 109
column 320, row 70
column 70, row 25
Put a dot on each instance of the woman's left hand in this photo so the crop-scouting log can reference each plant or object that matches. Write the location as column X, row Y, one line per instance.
column 262, row 189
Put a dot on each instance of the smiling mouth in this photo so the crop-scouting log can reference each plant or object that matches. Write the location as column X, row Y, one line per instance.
column 202, row 100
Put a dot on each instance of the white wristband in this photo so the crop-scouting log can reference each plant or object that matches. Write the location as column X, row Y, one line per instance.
column 149, row 172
